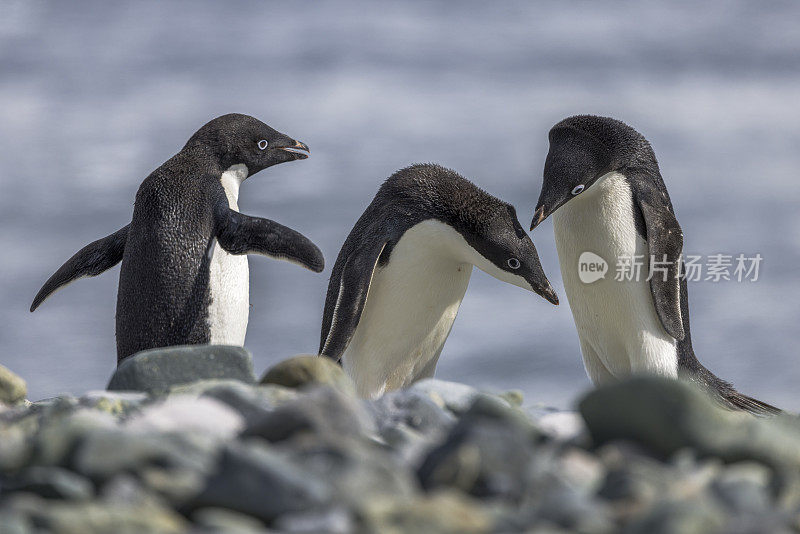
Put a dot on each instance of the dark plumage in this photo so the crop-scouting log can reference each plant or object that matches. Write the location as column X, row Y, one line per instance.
column 181, row 213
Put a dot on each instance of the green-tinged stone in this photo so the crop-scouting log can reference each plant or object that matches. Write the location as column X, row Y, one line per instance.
column 307, row 369
column 12, row 387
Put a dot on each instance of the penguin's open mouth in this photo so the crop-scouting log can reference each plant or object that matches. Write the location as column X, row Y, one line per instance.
column 300, row 150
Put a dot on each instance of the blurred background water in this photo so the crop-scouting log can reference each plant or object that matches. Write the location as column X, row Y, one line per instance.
column 95, row 95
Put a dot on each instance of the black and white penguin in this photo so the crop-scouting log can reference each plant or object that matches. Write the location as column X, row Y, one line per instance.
column 400, row 277
column 604, row 189
column 184, row 276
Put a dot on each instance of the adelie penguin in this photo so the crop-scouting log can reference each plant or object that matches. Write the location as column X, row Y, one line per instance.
column 401, row 274
column 184, row 276
column 604, row 189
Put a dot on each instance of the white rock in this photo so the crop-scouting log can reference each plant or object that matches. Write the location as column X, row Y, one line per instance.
column 562, row 425
column 189, row 413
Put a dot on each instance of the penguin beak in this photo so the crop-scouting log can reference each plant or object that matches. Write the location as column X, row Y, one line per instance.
column 538, row 216
column 548, row 293
column 298, row 149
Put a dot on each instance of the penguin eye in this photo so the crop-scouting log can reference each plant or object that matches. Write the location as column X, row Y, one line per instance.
column 578, row 189
column 263, row 144
column 513, row 263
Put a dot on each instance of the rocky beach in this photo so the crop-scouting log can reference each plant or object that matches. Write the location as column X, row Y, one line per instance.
column 188, row 439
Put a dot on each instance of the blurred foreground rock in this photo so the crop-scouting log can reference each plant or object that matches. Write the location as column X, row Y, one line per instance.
column 12, row 388
column 201, row 447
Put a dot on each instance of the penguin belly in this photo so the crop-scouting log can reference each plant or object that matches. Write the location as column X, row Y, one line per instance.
column 228, row 312
column 618, row 326
column 229, row 279
column 411, row 305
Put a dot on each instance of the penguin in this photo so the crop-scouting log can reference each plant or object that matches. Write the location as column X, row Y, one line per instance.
column 401, row 274
column 184, row 275
column 604, row 189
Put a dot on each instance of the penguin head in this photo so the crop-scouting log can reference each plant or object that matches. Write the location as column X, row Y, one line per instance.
column 236, row 139
column 582, row 149
column 490, row 235
column 506, row 252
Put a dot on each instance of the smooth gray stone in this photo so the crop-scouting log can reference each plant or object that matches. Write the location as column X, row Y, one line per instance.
column 486, row 454
column 322, row 411
column 157, row 370
column 353, row 468
column 666, row 415
column 257, row 481
column 59, row 436
column 51, row 483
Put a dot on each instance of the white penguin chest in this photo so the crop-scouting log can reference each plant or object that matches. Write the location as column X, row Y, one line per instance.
column 229, row 279
column 411, row 306
column 618, row 327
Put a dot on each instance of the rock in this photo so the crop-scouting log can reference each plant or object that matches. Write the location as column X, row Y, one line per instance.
column 581, row 470
column 59, row 436
column 97, row 518
column 450, row 395
column 696, row 516
column 12, row 388
column 513, row 397
column 413, row 409
column 250, row 402
column 158, row 369
column 667, row 415
column 321, row 411
column 127, row 489
column 563, row 426
column 117, row 403
column 353, row 468
column 12, row 522
column 190, row 414
column 105, row 453
column 744, row 487
column 439, row 513
column 307, row 369
column 256, row 481
column 486, row 454
column 15, row 450
column 51, row 483
column 573, row 510
column 410, row 422
column 176, row 485
column 227, row 521
column 333, row 520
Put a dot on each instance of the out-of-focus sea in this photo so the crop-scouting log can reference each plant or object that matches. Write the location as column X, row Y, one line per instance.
column 95, row 95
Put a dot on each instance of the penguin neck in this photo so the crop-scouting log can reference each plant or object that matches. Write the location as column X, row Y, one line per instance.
column 447, row 245
column 231, row 180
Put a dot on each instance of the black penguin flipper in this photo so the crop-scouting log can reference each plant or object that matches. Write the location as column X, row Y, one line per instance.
column 93, row 259
column 665, row 243
column 353, row 287
column 242, row 234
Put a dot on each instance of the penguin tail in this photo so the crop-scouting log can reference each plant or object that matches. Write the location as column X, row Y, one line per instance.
column 749, row 404
column 727, row 395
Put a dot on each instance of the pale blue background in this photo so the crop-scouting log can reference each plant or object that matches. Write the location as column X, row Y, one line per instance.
column 95, row 95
